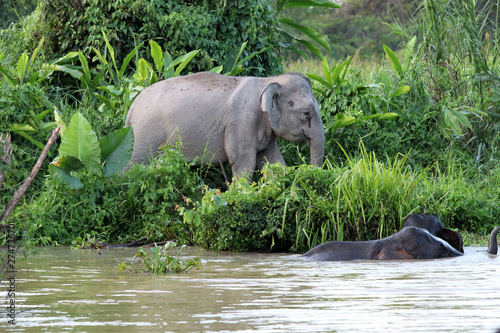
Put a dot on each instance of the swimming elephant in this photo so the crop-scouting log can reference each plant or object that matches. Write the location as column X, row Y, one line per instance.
column 493, row 243
column 223, row 118
column 409, row 243
column 436, row 228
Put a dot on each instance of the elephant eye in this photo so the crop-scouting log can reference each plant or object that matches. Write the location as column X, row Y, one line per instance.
column 307, row 114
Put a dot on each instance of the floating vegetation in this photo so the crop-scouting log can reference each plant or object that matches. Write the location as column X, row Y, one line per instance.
column 162, row 260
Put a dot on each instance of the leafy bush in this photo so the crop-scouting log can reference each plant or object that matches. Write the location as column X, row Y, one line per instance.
column 140, row 203
column 301, row 207
column 179, row 26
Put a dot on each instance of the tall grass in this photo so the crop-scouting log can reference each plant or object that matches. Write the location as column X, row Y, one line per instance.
column 369, row 199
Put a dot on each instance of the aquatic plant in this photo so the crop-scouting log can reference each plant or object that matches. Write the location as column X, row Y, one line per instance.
column 160, row 261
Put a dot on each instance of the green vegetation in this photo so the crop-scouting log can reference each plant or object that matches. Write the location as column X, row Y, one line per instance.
column 417, row 131
column 214, row 27
column 161, row 261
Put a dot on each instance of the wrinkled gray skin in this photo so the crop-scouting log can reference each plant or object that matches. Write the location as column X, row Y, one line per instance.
column 436, row 228
column 409, row 243
column 493, row 243
column 227, row 119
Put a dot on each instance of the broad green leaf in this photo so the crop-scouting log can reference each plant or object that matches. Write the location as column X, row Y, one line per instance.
column 184, row 60
column 87, row 77
column 157, row 55
column 408, row 53
column 48, row 125
column 326, row 70
column 154, row 78
column 240, row 51
column 343, row 121
column 320, row 80
column 338, row 69
column 311, row 3
column 313, row 34
column 389, row 116
column 450, row 121
column 142, row 69
column 393, row 59
column 217, row 69
column 385, row 116
column 68, row 163
column 65, row 58
column 21, row 67
column 461, row 117
column 21, row 127
column 103, row 60
column 167, row 64
column 105, row 100
column 400, row 91
column 65, row 177
column 236, row 71
column 116, row 149
column 80, row 141
column 30, row 139
column 311, row 47
column 112, row 90
column 70, row 69
column 293, row 48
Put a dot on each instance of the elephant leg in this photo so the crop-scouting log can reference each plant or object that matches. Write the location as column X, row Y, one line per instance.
column 271, row 154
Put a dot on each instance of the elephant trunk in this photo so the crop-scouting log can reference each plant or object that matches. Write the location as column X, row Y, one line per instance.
column 493, row 245
column 317, row 144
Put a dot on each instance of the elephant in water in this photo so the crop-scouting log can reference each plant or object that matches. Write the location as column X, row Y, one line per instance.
column 436, row 228
column 409, row 243
column 221, row 118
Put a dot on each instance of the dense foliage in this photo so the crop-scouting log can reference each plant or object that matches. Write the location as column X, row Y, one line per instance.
column 13, row 10
column 215, row 27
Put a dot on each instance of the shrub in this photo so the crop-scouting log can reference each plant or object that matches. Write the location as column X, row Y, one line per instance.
column 140, row 203
column 300, row 207
column 179, row 26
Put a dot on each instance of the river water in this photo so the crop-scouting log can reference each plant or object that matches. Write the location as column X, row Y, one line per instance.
column 67, row 290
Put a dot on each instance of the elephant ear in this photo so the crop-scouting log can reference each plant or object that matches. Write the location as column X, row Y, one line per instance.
column 269, row 103
column 453, row 238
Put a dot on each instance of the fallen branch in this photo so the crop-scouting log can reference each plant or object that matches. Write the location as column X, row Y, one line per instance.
column 20, row 192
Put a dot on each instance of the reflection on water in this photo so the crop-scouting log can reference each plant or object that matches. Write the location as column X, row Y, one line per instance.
column 81, row 291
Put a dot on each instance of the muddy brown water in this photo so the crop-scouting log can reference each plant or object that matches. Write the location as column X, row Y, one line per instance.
column 67, row 290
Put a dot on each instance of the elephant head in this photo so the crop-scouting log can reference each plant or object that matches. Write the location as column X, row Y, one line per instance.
column 436, row 228
column 294, row 113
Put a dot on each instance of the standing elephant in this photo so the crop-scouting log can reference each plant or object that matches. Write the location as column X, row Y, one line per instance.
column 436, row 228
column 228, row 119
column 409, row 243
